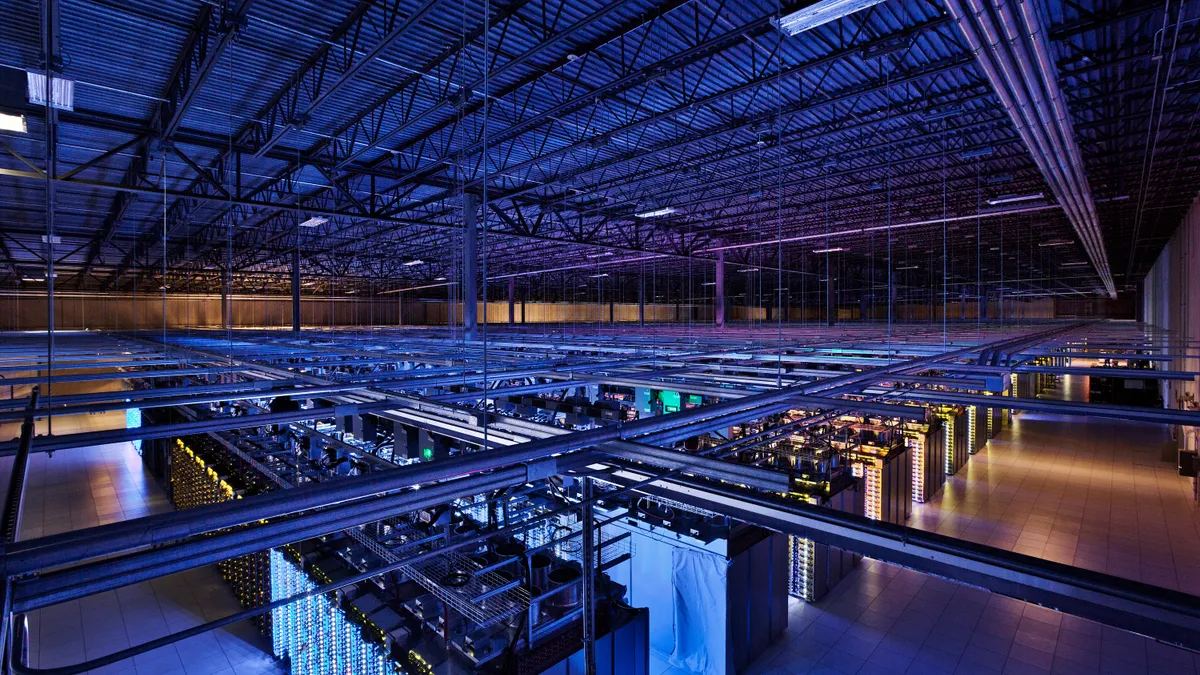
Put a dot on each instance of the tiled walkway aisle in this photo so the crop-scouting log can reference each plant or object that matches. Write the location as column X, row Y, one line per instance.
column 83, row 488
column 1087, row 492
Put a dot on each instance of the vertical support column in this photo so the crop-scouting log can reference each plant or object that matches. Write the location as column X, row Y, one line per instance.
column 470, row 260
column 52, row 62
column 891, row 298
column 512, row 300
column 589, row 581
column 787, row 299
column 830, row 311
column 719, row 300
column 983, row 305
column 963, row 302
column 226, row 305
column 641, row 298
column 296, row 287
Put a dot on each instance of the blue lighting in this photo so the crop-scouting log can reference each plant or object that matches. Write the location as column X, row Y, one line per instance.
column 133, row 420
column 314, row 633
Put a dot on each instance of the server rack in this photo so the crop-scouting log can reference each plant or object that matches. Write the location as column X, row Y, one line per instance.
column 926, row 443
column 816, row 568
column 956, row 428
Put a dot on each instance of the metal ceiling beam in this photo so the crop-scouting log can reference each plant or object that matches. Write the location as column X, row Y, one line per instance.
column 279, row 108
column 215, row 28
column 463, row 93
column 769, row 79
column 335, row 64
column 701, row 49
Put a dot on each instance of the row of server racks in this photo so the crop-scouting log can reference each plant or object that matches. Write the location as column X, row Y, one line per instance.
column 392, row 624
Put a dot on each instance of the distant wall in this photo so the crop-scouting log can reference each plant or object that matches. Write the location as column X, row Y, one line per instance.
column 124, row 311
column 1171, row 300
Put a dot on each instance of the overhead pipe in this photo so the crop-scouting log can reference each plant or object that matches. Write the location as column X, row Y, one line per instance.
column 82, row 581
column 1163, row 614
column 538, row 455
column 1011, row 49
column 20, row 667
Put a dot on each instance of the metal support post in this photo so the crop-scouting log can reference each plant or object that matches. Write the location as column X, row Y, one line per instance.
column 226, row 305
column 892, row 296
column 296, row 289
column 51, row 63
column 719, row 300
column 641, row 299
column 512, row 300
column 589, row 580
column 830, row 310
column 470, row 255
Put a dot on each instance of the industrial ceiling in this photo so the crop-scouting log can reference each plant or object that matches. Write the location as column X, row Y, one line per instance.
column 216, row 140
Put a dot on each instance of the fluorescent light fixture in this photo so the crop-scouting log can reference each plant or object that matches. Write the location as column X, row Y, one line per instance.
column 709, row 283
column 835, row 249
column 599, row 276
column 942, row 113
column 909, row 267
column 977, row 152
column 748, row 269
column 412, row 263
column 1009, row 199
column 1073, row 264
column 1055, row 242
column 62, row 92
column 999, row 178
column 664, row 211
column 439, row 278
column 13, row 123
column 314, row 222
column 600, row 255
column 819, row 14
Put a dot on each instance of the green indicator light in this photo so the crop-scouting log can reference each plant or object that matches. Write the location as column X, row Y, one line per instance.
column 427, row 453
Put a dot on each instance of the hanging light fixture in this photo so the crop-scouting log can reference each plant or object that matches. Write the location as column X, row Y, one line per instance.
column 13, row 123
column 1009, row 199
column 664, row 211
column 819, row 14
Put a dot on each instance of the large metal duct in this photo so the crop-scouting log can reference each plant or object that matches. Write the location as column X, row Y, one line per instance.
column 1012, row 48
